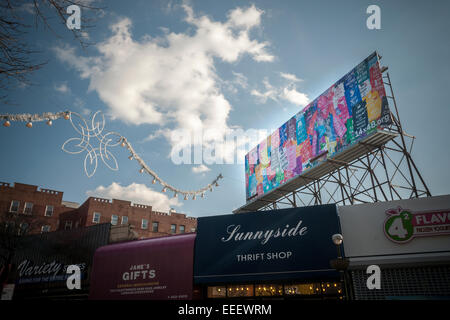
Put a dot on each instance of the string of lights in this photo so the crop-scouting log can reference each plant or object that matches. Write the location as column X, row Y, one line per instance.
column 78, row 145
column 30, row 118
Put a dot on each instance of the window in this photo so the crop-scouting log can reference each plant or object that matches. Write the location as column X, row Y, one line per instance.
column 155, row 226
column 96, row 218
column 144, row 224
column 124, row 220
column 181, row 229
column 68, row 225
column 239, row 290
column 302, row 289
column 14, row 206
column 23, row 228
column 269, row 290
column 48, row 211
column 45, row 228
column 114, row 219
column 28, row 208
column 173, row 228
column 217, row 292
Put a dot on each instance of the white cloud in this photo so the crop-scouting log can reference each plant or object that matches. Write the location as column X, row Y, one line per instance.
column 295, row 97
column 245, row 18
column 270, row 92
column 136, row 193
column 240, row 80
column 290, row 77
column 200, row 169
column 171, row 80
column 288, row 92
column 63, row 88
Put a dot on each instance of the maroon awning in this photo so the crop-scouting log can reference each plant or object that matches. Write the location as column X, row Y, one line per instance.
column 154, row 269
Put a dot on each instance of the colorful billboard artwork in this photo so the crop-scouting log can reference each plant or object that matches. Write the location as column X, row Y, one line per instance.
column 350, row 110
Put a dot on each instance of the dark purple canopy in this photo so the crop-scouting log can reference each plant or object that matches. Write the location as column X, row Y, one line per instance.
column 155, row 269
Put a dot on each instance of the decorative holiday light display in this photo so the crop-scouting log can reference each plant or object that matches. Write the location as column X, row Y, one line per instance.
column 110, row 139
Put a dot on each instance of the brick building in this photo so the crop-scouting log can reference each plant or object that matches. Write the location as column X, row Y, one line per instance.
column 43, row 210
column 146, row 222
column 36, row 210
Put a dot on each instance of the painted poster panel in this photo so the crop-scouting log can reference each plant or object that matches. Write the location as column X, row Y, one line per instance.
column 351, row 109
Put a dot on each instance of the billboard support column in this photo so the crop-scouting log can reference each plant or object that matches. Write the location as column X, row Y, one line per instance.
column 371, row 177
column 385, row 170
column 400, row 130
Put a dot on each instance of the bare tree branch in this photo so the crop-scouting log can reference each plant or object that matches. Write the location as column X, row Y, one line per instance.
column 17, row 58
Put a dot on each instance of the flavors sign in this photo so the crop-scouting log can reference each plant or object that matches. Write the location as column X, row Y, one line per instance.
column 402, row 225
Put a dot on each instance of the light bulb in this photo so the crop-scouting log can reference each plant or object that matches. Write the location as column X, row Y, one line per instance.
column 49, row 122
column 164, row 189
column 154, row 181
column 142, row 170
column 130, row 157
column 7, row 123
column 67, row 116
column 29, row 124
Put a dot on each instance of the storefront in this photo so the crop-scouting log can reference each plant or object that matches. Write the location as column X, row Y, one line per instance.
column 151, row 269
column 39, row 269
column 271, row 254
column 408, row 239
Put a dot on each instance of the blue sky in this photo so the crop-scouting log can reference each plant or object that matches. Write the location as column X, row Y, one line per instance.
column 158, row 66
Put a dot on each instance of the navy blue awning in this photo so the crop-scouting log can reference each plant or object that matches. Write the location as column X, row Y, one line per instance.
column 286, row 244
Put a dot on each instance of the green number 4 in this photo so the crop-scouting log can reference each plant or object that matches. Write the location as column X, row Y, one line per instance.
column 399, row 227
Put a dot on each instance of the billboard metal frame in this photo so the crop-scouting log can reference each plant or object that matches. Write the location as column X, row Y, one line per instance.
column 377, row 168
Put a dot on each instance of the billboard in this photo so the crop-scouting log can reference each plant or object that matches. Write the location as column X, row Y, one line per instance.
column 350, row 110
column 264, row 246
